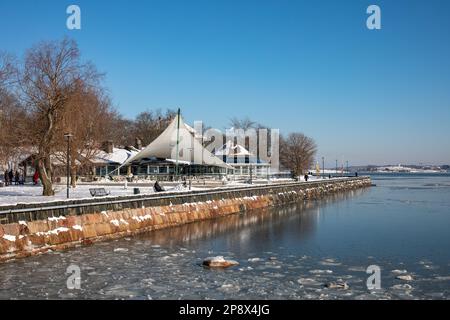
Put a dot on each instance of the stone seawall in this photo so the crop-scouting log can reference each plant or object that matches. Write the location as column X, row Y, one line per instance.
column 52, row 227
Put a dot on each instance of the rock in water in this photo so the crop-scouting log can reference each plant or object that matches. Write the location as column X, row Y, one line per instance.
column 405, row 278
column 87, row 242
column 337, row 285
column 219, row 262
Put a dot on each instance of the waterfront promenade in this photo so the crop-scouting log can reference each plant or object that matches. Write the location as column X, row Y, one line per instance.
column 29, row 229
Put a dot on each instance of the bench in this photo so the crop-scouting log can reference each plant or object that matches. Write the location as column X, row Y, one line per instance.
column 98, row 192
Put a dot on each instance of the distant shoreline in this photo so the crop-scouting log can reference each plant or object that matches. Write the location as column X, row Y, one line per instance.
column 405, row 172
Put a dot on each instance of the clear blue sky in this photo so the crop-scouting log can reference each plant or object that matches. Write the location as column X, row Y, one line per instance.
column 370, row 97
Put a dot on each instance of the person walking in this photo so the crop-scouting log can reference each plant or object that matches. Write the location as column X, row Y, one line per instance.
column 36, row 177
column 17, row 177
column 306, row 177
column 6, row 177
column 10, row 176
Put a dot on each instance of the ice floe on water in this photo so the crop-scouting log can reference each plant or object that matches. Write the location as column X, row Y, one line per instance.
column 254, row 259
column 406, row 277
column 309, row 282
column 144, row 269
column 330, row 262
column 245, row 268
column 357, row 269
column 402, row 287
column 319, row 271
column 397, row 271
column 229, row 288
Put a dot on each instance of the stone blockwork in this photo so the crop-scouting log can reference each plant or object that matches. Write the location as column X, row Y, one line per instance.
column 73, row 227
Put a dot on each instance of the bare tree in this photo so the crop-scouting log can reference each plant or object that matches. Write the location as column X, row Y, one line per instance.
column 86, row 116
column 48, row 78
column 148, row 125
column 10, row 111
column 297, row 152
column 124, row 136
column 248, row 124
column 244, row 123
column 52, row 93
column 8, row 69
column 11, row 116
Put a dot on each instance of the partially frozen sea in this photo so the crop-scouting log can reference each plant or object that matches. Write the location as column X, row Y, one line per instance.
column 291, row 252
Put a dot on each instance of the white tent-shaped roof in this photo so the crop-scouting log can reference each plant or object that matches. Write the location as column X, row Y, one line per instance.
column 118, row 156
column 189, row 149
column 231, row 149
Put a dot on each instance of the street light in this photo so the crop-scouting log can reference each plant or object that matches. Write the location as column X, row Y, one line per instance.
column 336, row 168
column 323, row 167
column 68, row 136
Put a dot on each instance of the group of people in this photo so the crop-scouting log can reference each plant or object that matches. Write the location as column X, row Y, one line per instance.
column 12, row 178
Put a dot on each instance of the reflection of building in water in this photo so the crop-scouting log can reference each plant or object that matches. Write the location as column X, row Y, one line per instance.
column 295, row 222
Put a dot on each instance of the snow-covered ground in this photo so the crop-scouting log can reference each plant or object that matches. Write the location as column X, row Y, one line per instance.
column 33, row 194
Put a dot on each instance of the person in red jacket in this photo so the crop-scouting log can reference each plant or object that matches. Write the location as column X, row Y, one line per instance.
column 35, row 177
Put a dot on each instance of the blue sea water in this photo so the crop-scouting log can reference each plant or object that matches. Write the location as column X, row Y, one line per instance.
column 289, row 252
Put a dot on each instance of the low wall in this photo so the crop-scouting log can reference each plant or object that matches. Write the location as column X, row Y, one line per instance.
column 34, row 229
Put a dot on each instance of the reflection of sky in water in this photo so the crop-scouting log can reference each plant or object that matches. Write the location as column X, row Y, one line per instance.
column 400, row 224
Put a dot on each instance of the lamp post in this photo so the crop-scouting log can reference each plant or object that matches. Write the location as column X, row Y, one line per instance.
column 336, row 168
column 202, row 164
column 68, row 136
column 178, row 142
column 190, row 165
column 348, row 172
column 323, row 167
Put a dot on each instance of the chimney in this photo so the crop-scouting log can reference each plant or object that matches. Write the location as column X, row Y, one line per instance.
column 108, row 146
column 138, row 143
